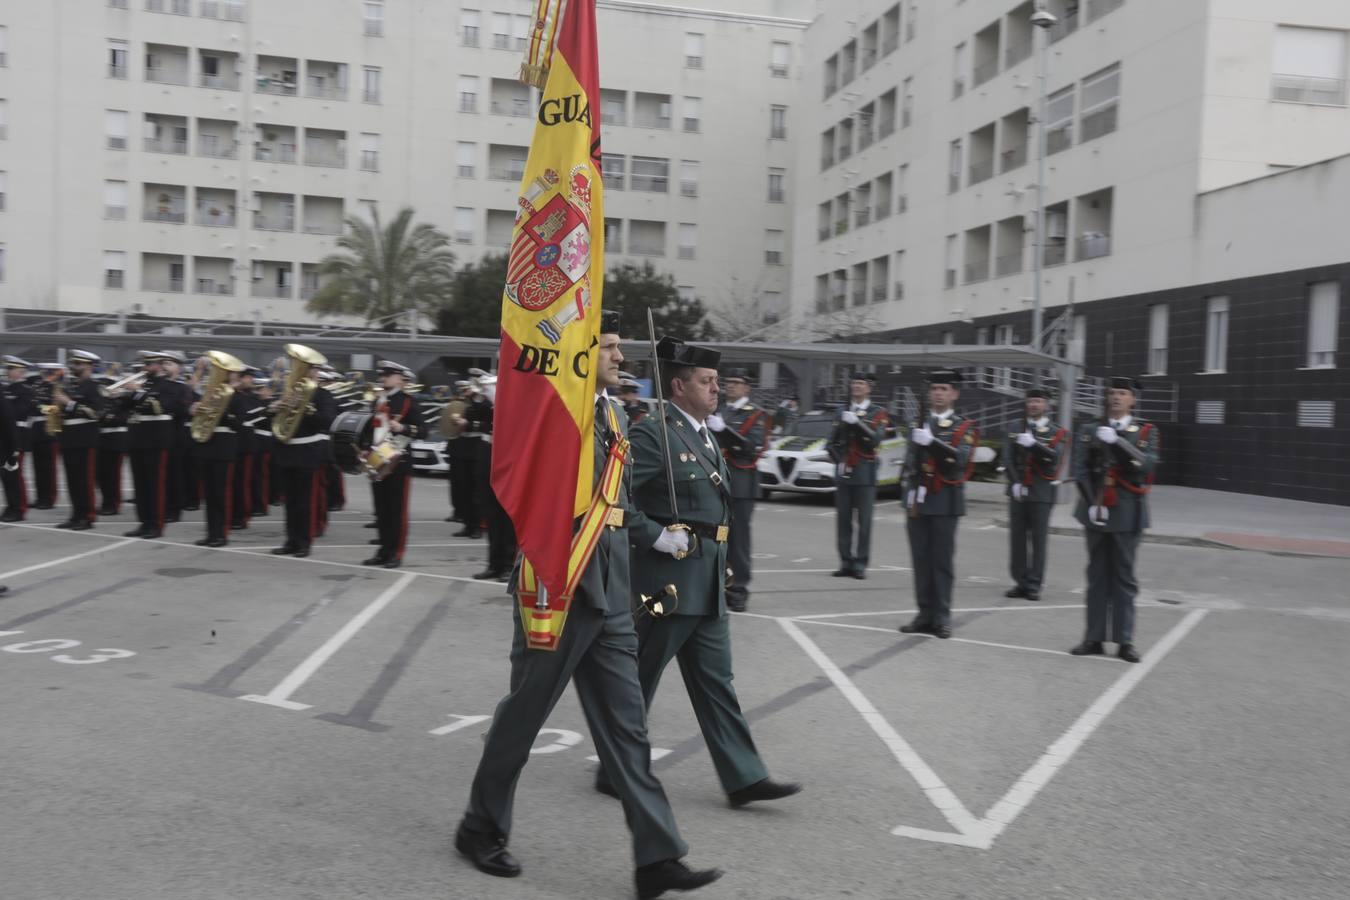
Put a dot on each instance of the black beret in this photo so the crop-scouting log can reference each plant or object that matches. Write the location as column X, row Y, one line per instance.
column 944, row 376
column 609, row 321
column 676, row 351
column 1126, row 383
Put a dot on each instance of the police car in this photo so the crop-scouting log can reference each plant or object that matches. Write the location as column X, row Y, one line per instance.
column 798, row 462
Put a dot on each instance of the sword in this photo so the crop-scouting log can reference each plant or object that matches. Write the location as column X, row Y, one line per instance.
column 665, row 443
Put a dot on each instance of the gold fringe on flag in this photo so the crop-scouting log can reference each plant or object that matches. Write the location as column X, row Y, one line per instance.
column 543, row 38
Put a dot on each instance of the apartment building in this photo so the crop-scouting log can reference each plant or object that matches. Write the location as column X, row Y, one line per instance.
column 1173, row 132
column 197, row 158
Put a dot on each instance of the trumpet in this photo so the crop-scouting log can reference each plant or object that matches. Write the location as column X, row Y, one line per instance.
column 123, row 386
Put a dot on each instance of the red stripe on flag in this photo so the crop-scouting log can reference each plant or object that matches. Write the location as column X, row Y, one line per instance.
column 535, row 477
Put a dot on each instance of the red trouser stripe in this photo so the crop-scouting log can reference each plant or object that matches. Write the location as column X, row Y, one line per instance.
column 23, row 488
column 117, row 483
column 159, row 495
column 90, row 462
column 403, row 517
column 247, row 511
column 229, row 496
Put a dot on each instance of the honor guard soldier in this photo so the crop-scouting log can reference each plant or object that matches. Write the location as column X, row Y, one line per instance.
column 1032, row 459
column 461, row 452
column 742, row 431
column 633, row 407
column 858, row 431
column 686, row 547
column 938, row 462
column 43, row 444
column 299, row 463
column 113, row 443
column 501, row 534
column 598, row 650
column 1114, row 462
column 253, row 410
column 79, row 404
column 787, row 413
column 153, row 408
column 398, row 412
column 19, row 395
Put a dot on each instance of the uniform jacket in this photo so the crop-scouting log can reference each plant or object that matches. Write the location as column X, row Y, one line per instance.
column 743, row 442
column 479, row 428
column 113, row 430
column 1036, row 470
column 1124, row 491
column 307, row 449
column 9, row 430
column 251, row 407
column 854, row 447
column 223, row 445
column 258, row 422
column 80, row 428
column 20, row 397
column 606, row 583
column 403, row 408
column 943, row 475
column 701, row 577
column 37, row 421
column 152, row 412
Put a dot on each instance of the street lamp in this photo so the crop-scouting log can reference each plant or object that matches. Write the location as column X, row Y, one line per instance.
column 1043, row 20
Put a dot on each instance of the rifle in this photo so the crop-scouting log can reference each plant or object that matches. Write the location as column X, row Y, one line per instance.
column 1096, row 464
column 912, row 476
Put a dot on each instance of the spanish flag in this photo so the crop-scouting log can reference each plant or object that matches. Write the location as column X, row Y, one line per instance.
column 543, row 453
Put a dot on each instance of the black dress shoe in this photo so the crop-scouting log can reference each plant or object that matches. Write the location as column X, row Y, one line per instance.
column 376, row 560
column 11, row 517
column 602, row 786
column 487, row 852
column 736, row 605
column 915, row 628
column 1034, row 596
column 152, row 533
column 169, row 520
column 487, row 575
column 285, row 550
column 671, row 875
column 452, row 518
column 135, row 532
column 68, row 523
column 300, row 552
column 335, row 507
column 393, row 563
column 1015, row 592
column 1088, row 648
column 44, row 506
column 81, row 525
column 859, row 574
column 204, row 542
column 768, row 789
column 943, row 631
column 1128, row 653
column 193, row 508
column 843, row 572
column 217, row 542
column 106, row 511
column 466, row 532
column 238, row 526
column 371, row 525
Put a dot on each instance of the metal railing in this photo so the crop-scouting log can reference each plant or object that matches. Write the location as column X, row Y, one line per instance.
column 215, row 220
column 826, row 160
column 164, row 214
column 865, row 139
column 981, row 171
column 986, row 70
column 654, row 184
column 217, row 147
column 688, row 188
column 776, row 195
column 283, row 153
column 266, row 222
column 326, row 157
column 501, row 42
column 370, row 161
column 1055, row 254
column 1013, row 158
column 862, row 216
column 899, row 290
column 692, row 126
column 886, row 128
column 374, row 28
column 949, row 278
column 466, row 171
column 114, row 278
column 320, row 89
column 1094, row 246
column 165, row 145
column 511, row 173
column 879, row 293
column 162, row 285
column 268, row 85
column 869, row 58
column 1097, row 123
column 165, row 75
column 468, row 36
column 1059, row 139
column 977, row 271
column 463, row 237
column 228, row 82
column 517, row 107
column 610, row 118
column 1305, row 89
column 883, row 209
column 211, row 286
column 693, row 62
column 642, row 248
column 1008, row 264
column 825, row 232
column 117, row 71
column 277, row 291
column 323, row 228
column 1016, row 53
column 650, row 121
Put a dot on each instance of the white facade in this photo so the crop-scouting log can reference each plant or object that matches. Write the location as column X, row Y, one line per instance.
column 917, row 177
column 196, row 158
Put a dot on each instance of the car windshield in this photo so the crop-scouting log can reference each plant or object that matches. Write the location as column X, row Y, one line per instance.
column 814, row 426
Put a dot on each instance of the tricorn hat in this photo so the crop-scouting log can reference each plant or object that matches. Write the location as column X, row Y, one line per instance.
column 1037, row 394
column 609, row 321
column 1125, row 382
column 741, row 375
column 675, row 351
column 945, row 376
column 869, row 377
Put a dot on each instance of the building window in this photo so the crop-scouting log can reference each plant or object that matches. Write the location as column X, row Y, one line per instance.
column 520, row 32
column 114, row 269
column 468, row 93
column 911, row 21
column 778, row 123
column 466, row 156
column 614, row 234
column 898, row 273
column 1209, row 412
column 4, row 45
column 370, row 89
column 468, row 27
column 1059, row 121
column 115, row 200
column 1324, row 303
column 688, row 240
column 692, row 114
column 959, row 70
column 693, row 50
column 463, row 225
column 501, row 31
column 689, row 178
column 954, row 167
column 777, row 190
column 949, row 262
column 1157, row 339
column 779, row 55
column 1216, row 335
column 1311, row 413
column 1309, row 66
column 115, row 128
column 1101, row 96
column 4, row 190
column 2, row 263
column 117, row 59
column 613, row 167
column 907, row 104
column 687, row 293
column 373, row 13
column 370, row 152
column 651, row 174
column 773, row 247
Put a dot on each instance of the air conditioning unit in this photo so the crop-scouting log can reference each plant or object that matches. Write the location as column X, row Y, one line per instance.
column 257, row 270
column 1056, row 225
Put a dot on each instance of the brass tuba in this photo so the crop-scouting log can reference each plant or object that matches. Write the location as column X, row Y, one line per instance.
column 216, row 394
column 294, row 398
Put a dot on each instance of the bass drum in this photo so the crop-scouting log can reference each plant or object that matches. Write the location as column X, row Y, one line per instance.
column 352, row 434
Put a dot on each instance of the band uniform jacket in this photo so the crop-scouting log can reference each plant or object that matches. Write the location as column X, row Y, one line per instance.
column 9, row 430
column 703, row 501
column 1035, row 469
column 606, row 583
column 113, row 429
column 743, row 442
column 943, row 474
column 152, row 411
column 1127, row 482
column 21, row 406
column 223, row 445
column 479, row 430
column 404, row 409
column 79, row 430
column 854, row 447
column 307, row 450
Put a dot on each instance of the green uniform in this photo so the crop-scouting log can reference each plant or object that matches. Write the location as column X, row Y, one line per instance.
column 742, row 444
column 854, row 450
column 1031, row 472
column 698, row 634
column 598, row 653
column 1122, row 486
column 936, row 498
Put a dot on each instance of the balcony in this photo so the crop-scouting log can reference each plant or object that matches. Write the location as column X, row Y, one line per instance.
column 685, row 252
column 899, row 290
column 468, row 36
column 1055, row 254
column 860, row 296
column 323, row 228
column 861, row 217
column 217, row 146
column 507, row 173
column 162, row 284
column 1013, row 158
column 1008, row 264
column 274, row 221
column 220, row 81
column 274, row 291
column 824, row 232
column 325, row 153
column 841, row 226
column 985, row 71
column 280, row 86
column 689, row 189
column 517, row 107
column 166, row 145
column 1098, row 123
column 1093, row 245
column 1059, row 139
column 213, row 218
column 173, row 215
column 977, row 271
column 165, row 75
column 277, row 153
column 981, row 171
column 654, row 184
column 1017, row 53
column 646, row 248
column 651, row 120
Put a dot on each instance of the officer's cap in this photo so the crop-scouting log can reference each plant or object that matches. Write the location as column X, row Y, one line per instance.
column 628, row 385
column 677, row 352
column 1125, row 383
column 14, row 362
column 83, row 356
column 51, row 367
column 171, row 356
column 945, row 376
column 388, row 367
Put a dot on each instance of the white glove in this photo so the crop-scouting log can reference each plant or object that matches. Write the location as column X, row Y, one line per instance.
column 1019, row 491
column 921, row 436
column 1025, row 439
column 672, row 542
column 909, row 499
column 12, row 464
column 849, row 417
column 920, row 494
column 1106, row 434
column 715, row 423
column 1098, row 515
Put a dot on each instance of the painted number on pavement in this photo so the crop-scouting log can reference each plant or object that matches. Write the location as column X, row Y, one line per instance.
column 50, row 645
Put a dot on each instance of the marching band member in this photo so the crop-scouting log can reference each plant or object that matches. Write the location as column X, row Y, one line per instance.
column 463, row 454
column 11, row 456
column 112, row 450
column 151, row 431
column 501, row 534
column 299, row 463
column 43, row 445
column 19, row 395
column 80, row 404
column 396, row 410
column 217, row 462
column 253, row 408
column 183, row 488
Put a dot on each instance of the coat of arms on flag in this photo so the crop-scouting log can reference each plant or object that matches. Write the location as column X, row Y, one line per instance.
column 551, row 251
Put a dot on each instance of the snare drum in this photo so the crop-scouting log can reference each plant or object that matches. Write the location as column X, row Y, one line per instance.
column 352, row 434
column 382, row 460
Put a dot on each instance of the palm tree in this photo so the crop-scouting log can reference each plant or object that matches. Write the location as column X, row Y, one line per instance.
column 384, row 272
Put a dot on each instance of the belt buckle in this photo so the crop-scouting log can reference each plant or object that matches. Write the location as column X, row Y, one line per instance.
column 716, row 478
column 614, row 519
column 722, row 532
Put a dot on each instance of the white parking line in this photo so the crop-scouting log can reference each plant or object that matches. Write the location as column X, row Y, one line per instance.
column 956, row 640
column 963, row 609
column 280, row 695
column 65, row 559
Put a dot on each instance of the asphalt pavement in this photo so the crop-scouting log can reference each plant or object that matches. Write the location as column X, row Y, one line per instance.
column 182, row 722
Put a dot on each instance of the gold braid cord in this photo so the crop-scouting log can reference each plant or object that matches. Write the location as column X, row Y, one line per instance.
column 543, row 38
